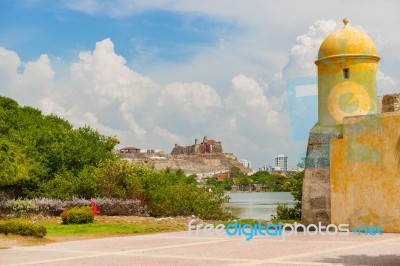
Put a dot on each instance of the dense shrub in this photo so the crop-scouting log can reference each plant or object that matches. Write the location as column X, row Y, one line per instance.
column 22, row 207
column 54, row 207
column 284, row 212
column 22, row 227
column 62, row 186
column 294, row 185
column 78, row 215
column 187, row 200
column 50, row 207
column 166, row 193
column 4, row 209
column 76, row 203
column 115, row 207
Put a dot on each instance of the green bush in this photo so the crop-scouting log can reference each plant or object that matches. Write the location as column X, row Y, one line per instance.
column 22, row 207
column 227, row 187
column 284, row 212
column 62, row 186
column 22, row 227
column 187, row 200
column 165, row 193
column 78, row 215
column 294, row 185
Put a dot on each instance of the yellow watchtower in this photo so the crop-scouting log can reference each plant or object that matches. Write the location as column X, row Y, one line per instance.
column 347, row 64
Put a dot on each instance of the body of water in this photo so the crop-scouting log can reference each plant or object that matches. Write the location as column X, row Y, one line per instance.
column 256, row 205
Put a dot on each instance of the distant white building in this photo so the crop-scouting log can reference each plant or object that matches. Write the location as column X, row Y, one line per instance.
column 267, row 168
column 245, row 163
column 281, row 163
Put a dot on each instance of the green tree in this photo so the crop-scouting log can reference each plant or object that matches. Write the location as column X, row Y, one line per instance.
column 294, row 185
column 302, row 163
column 269, row 182
column 37, row 148
column 167, row 192
column 235, row 172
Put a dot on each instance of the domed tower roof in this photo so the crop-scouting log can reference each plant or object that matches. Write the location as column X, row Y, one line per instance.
column 347, row 42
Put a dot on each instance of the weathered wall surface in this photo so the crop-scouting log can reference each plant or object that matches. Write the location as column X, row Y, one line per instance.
column 316, row 202
column 390, row 103
column 365, row 172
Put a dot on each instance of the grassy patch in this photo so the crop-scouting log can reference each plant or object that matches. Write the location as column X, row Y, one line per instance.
column 98, row 228
column 103, row 226
column 107, row 226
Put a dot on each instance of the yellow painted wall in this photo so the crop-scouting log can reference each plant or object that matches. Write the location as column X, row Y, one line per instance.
column 365, row 172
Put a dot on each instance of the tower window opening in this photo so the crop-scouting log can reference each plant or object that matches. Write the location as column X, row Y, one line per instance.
column 346, row 73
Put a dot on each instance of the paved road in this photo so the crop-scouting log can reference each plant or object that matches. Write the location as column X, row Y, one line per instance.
column 180, row 249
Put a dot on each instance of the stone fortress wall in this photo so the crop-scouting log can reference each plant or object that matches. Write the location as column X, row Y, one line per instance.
column 208, row 146
column 317, row 181
column 203, row 159
column 352, row 173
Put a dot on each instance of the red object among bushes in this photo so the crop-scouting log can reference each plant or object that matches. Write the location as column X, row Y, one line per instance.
column 95, row 208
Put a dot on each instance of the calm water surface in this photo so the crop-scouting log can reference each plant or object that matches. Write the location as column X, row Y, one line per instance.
column 256, row 205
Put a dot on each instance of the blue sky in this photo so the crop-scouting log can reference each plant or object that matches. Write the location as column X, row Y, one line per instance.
column 159, row 72
column 34, row 29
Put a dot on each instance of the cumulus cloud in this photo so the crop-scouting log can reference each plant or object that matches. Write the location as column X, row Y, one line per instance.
column 9, row 64
column 303, row 54
column 195, row 100
column 248, row 101
column 104, row 78
column 386, row 84
column 27, row 81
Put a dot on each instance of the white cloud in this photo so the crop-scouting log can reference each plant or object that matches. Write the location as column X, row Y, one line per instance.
column 37, row 77
column 105, row 79
column 105, row 73
column 303, row 54
column 247, row 101
column 386, row 84
column 195, row 100
column 9, row 64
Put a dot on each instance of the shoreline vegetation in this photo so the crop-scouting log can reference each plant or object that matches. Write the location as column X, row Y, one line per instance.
column 259, row 181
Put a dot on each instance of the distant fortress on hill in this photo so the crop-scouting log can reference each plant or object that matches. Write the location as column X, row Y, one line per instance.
column 207, row 146
column 203, row 159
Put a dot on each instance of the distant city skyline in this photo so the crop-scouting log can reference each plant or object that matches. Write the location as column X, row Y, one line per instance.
column 155, row 73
